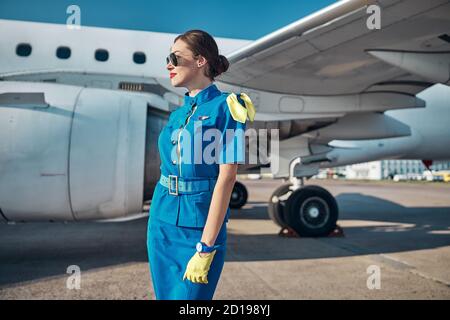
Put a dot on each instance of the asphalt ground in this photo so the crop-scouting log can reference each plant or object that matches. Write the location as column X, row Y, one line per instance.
column 396, row 245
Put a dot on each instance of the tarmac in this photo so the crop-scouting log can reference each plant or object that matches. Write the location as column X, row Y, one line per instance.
column 396, row 245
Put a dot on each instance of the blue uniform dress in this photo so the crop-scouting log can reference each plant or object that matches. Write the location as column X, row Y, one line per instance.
column 192, row 153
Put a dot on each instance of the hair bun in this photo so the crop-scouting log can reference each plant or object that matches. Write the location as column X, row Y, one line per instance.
column 223, row 64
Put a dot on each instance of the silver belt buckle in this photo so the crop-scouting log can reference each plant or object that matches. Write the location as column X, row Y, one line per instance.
column 170, row 185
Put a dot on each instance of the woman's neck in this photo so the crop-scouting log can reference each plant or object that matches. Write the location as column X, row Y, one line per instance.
column 196, row 88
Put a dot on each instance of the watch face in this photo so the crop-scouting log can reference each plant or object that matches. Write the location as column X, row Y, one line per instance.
column 199, row 247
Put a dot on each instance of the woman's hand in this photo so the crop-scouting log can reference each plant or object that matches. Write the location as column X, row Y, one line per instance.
column 198, row 267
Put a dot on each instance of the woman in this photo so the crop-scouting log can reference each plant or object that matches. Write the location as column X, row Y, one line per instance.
column 186, row 237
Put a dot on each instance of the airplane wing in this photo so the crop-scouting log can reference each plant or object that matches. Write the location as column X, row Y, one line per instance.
column 333, row 52
column 329, row 71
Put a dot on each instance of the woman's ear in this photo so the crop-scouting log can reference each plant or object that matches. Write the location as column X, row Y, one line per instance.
column 201, row 61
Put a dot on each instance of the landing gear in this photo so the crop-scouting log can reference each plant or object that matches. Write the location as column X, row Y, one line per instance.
column 312, row 211
column 277, row 204
column 308, row 211
column 239, row 196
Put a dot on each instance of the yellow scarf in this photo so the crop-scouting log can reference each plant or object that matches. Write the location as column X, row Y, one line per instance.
column 238, row 111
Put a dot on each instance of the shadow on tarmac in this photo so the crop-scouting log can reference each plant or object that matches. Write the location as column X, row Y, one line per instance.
column 31, row 251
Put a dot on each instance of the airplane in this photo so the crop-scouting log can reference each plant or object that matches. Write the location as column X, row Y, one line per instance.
column 81, row 109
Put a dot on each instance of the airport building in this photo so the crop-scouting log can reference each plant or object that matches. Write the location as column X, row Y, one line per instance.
column 387, row 169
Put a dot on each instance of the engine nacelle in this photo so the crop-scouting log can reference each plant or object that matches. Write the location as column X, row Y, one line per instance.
column 80, row 157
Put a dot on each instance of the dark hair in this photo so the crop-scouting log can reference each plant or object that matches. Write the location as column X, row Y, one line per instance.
column 202, row 43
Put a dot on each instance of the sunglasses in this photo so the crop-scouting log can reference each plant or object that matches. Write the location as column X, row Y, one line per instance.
column 172, row 58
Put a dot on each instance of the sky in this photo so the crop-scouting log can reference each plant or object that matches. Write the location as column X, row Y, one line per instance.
column 240, row 19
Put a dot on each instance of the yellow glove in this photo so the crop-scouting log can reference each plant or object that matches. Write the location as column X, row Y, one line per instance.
column 198, row 267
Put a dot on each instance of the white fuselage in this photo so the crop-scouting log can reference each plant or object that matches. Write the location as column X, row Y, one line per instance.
column 431, row 123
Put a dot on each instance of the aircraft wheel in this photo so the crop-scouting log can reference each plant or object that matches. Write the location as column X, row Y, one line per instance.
column 277, row 203
column 312, row 211
column 239, row 196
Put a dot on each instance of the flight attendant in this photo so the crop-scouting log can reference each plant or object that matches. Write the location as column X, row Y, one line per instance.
column 187, row 227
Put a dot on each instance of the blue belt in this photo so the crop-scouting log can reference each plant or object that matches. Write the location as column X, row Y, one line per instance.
column 178, row 185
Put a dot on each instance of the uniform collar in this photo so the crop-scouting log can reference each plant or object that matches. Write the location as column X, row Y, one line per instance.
column 203, row 96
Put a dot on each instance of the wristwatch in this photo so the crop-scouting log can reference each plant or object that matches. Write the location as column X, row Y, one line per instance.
column 202, row 247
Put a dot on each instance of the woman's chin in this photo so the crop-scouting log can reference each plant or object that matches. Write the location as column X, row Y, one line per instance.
column 175, row 82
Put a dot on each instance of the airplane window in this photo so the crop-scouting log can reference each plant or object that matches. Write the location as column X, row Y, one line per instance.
column 139, row 57
column 101, row 55
column 23, row 49
column 63, row 52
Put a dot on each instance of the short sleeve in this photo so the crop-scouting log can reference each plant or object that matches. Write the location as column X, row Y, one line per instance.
column 232, row 139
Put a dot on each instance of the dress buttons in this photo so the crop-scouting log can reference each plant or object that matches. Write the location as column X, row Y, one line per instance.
column 174, row 162
column 173, row 142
